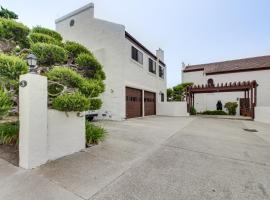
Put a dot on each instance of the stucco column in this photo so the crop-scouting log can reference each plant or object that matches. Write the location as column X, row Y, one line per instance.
column 33, row 120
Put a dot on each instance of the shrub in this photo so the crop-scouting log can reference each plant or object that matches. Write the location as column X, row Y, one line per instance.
column 91, row 88
column 9, row 133
column 94, row 134
column 231, row 107
column 90, row 66
column 74, row 102
column 40, row 37
column 213, row 112
column 49, row 54
column 74, row 49
column 95, row 104
column 193, row 111
column 5, row 103
column 11, row 67
column 48, row 32
column 14, row 30
column 5, row 13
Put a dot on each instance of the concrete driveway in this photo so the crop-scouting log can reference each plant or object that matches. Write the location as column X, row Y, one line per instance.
column 156, row 158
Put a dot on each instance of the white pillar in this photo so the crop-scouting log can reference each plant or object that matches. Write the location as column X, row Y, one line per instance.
column 33, row 120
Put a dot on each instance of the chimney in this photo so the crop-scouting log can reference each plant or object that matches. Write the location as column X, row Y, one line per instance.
column 183, row 65
column 160, row 54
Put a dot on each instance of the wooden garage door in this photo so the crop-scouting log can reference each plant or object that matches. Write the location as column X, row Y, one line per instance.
column 133, row 102
column 149, row 103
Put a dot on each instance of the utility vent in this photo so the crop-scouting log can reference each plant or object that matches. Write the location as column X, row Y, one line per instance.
column 250, row 130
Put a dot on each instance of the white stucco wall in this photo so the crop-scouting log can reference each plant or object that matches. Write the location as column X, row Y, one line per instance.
column 66, row 133
column 108, row 43
column 262, row 114
column 208, row 101
column 175, row 109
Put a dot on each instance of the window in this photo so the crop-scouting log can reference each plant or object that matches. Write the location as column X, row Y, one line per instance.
column 152, row 66
column 161, row 71
column 162, row 97
column 210, row 82
column 136, row 55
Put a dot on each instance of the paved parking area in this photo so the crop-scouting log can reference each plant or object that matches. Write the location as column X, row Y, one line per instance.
column 156, row 158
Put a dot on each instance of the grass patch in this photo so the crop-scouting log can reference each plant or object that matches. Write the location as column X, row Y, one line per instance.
column 9, row 133
column 94, row 134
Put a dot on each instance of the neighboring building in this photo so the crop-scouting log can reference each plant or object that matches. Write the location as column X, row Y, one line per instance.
column 213, row 74
column 136, row 78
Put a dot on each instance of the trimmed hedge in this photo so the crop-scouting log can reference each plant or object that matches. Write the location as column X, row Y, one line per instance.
column 43, row 38
column 74, row 102
column 74, row 49
column 5, row 103
column 49, row 32
column 11, row 29
column 11, row 67
column 213, row 112
column 49, row 54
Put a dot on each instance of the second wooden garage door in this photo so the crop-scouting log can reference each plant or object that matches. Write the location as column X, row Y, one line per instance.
column 133, row 102
column 149, row 103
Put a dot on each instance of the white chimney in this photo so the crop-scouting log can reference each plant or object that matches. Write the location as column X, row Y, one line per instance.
column 160, row 54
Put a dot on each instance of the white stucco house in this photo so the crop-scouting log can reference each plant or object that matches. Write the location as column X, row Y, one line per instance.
column 135, row 77
column 236, row 72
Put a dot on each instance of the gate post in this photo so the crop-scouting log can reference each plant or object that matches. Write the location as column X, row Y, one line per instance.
column 33, row 120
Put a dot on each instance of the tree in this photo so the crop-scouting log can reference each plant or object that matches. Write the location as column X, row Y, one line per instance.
column 5, row 13
column 178, row 92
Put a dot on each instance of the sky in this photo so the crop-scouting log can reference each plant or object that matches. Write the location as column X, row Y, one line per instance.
column 189, row 31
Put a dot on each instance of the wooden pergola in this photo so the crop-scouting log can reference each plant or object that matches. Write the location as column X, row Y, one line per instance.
column 249, row 88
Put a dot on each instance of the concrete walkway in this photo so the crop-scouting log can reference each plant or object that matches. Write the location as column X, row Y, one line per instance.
column 155, row 158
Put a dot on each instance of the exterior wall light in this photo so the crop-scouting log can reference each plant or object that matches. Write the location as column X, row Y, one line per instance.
column 32, row 62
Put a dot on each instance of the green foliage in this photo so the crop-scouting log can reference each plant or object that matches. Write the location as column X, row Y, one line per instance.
column 178, row 92
column 11, row 67
column 43, row 38
column 95, row 104
column 193, row 111
column 49, row 32
column 14, row 30
column 213, row 112
column 94, row 134
column 49, row 54
column 74, row 49
column 90, row 66
column 74, row 102
column 5, row 103
column 231, row 107
column 9, row 133
column 5, row 13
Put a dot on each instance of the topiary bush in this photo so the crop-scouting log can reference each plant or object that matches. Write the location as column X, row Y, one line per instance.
column 14, row 30
column 40, row 37
column 94, row 134
column 73, row 102
column 231, row 107
column 5, row 103
column 74, row 49
column 95, row 104
column 49, row 32
column 11, row 67
column 9, row 133
column 49, row 54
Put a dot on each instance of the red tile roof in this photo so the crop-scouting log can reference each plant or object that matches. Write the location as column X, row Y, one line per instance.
column 246, row 64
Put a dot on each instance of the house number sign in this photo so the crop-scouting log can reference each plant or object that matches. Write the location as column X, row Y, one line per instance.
column 23, row 83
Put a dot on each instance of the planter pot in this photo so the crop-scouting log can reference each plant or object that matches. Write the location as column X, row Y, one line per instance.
column 66, row 133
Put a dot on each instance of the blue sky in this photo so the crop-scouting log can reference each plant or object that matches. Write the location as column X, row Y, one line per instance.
column 190, row 31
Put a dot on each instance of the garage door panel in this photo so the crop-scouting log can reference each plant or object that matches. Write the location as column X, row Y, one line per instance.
column 149, row 103
column 133, row 102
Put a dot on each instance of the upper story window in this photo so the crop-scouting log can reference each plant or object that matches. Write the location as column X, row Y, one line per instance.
column 152, row 66
column 136, row 55
column 210, row 82
column 161, row 71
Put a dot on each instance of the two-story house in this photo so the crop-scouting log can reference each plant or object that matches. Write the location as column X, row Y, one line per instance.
column 135, row 77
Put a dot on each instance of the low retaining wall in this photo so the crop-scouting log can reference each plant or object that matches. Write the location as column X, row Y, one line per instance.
column 66, row 133
column 262, row 114
column 174, row 109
